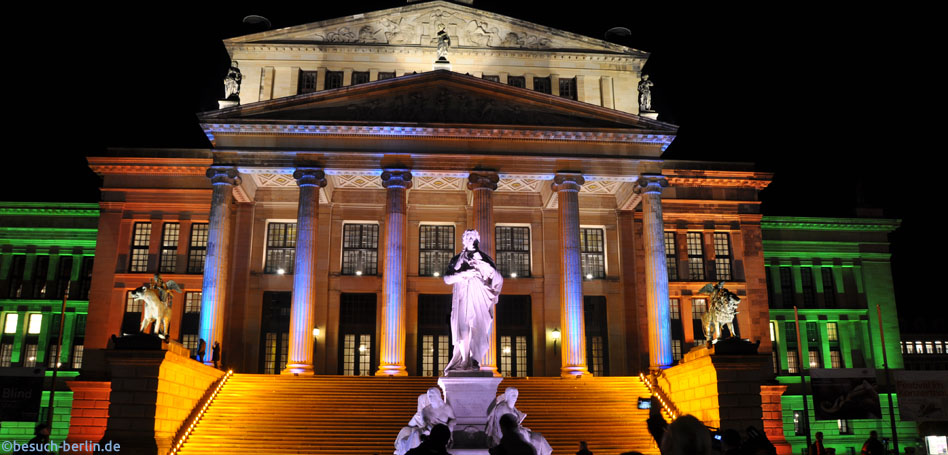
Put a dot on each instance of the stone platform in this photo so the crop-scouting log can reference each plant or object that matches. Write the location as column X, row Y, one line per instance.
column 470, row 396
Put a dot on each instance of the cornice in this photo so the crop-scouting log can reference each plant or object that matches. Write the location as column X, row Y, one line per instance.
column 91, row 211
column 111, row 165
column 422, row 51
column 830, row 224
column 718, row 182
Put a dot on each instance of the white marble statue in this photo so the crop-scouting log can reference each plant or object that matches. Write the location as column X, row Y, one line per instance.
column 506, row 404
column 444, row 42
column 477, row 285
column 432, row 410
column 157, row 297
column 232, row 81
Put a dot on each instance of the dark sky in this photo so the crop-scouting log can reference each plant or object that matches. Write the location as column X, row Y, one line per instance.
column 826, row 99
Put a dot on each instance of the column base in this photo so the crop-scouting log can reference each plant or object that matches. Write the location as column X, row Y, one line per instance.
column 392, row 370
column 575, row 372
column 298, row 369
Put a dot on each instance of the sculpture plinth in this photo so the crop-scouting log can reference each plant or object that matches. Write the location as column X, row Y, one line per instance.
column 469, row 397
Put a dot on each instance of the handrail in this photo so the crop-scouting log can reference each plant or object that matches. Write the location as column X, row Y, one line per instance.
column 651, row 381
column 199, row 409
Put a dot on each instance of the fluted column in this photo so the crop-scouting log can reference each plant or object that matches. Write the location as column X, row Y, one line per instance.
column 223, row 180
column 300, row 359
column 483, row 184
column 656, row 273
column 394, row 273
column 573, row 332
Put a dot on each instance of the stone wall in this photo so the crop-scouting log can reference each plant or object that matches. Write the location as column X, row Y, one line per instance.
column 90, row 410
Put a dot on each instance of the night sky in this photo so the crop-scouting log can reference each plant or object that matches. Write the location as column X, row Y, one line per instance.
column 823, row 98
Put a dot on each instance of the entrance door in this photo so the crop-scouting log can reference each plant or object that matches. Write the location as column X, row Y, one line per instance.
column 357, row 334
column 597, row 346
column 274, row 331
column 513, row 335
column 434, row 334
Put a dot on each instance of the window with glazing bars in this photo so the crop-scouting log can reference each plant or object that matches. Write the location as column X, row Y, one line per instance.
column 192, row 341
column 593, row 252
column 307, row 81
column 141, row 238
column 360, row 77
column 281, row 248
column 596, row 365
column 722, row 256
column 197, row 248
column 698, row 308
column 674, row 309
column 809, row 290
column 517, row 81
column 40, row 275
column 513, row 356
column 168, row 261
column 513, row 250
column 786, row 287
column 695, row 256
column 17, row 269
column 676, row 350
column 568, row 88
column 434, row 354
column 360, row 249
column 836, row 358
column 792, row 362
column 77, row 350
column 29, row 357
column 333, row 79
column 671, row 256
column 63, row 277
column 386, row 75
column 6, row 354
column 85, row 275
column 356, row 358
column 829, row 287
column 542, row 85
column 192, row 302
column 832, row 332
column 491, row 78
column 52, row 356
column 435, row 248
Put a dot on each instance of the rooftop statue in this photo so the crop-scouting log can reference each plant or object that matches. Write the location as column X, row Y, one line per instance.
column 645, row 94
column 506, row 404
column 232, row 81
column 432, row 410
column 157, row 297
column 477, row 285
column 721, row 311
column 444, row 42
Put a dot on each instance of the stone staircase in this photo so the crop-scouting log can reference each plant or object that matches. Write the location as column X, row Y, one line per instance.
column 339, row 415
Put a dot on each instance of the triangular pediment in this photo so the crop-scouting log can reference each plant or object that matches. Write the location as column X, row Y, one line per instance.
column 437, row 98
column 417, row 25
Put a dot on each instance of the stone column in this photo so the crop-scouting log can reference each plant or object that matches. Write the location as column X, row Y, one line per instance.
column 483, row 184
column 394, row 273
column 213, row 289
column 573, row 328
column 656, row 273
column 300, row 356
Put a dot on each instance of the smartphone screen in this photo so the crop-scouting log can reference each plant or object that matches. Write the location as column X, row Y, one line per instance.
column 645, row 403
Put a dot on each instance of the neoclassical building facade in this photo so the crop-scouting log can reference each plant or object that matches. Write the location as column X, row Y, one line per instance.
column 312, row 236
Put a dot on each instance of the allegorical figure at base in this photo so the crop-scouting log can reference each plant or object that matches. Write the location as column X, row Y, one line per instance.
column 477, row 285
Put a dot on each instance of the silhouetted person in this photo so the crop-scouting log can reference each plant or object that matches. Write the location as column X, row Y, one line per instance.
column 434, row 443
column 583, row 450
column 202, row 346
column 873, row 445
column 731, row 442
column 817, row 447
column 216, row 353
column 511, row 443
column 757, row 443
column 40, row 439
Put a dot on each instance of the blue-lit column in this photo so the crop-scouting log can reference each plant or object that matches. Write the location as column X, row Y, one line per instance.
column 567, row 187
column 223, row 180
column 300, row 355
column 483, row 184
column 394, row 273
column 656, row 273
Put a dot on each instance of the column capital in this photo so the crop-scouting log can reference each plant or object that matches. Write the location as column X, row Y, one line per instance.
column 568, row 181
column 396, row 178
column 650, row 183
column 310, row 176
column 486, row 180
column 224, row 175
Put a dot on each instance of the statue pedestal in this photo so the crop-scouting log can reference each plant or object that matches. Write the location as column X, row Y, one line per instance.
column 441, row 65
column 649, row 114
column 224, row 104
column 469, row 396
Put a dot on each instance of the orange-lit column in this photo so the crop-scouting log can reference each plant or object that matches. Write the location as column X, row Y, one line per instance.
column 223, row 180
column 300, row 359
column 656, row 273
column 394, row 273
column 483, row 184
column 567, row 187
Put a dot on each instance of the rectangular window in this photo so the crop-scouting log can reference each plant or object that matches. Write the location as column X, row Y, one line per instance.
column 29, row 359
column 786, row 286
column 192, row 341
column 197, row 248
column 40, row 274
column 85, row 275
column 814, row 359
column 513, row 251
column 542, row 85
column 360, row 77
column 516, row 81
column 53, row 355
column 909, row 348
column 836, row 359
column 568, row 88
column 35, row 325
column 77, row 350
column 812, row 333
column 929, row 347
column 281, row 248
column 169, row 248
column 63, row 278
column 192, row 302
column 674, row 309
column 17, row 268
column 9, row 325
column 434, row 354
column 722, row 256
column 333, row 79
column 790, row 330
column 491, row 78
column 141, row 238
column 596, row 362
column 809, row 290
column 307, row 81
column 435, row 248
column 829, row 287
column 832, row 331
column 792, row 362
column 918, row 347
column 6, row 354
column 513, row 356
column 695, row 256
column 386, row 75
column 133, row 305
column 593, row 252
column 799, row 423
column 844, row 427
column 698, row 308
column 939, row 348
column 676, row 350
column 351, row 351
column 671, row 256
column 770, row 288
column 360, row 249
